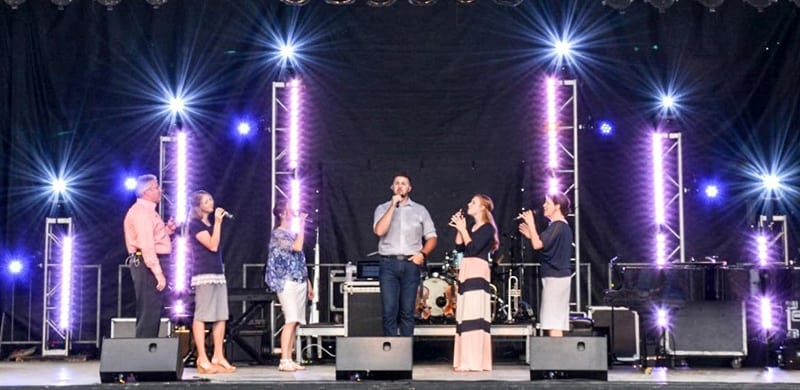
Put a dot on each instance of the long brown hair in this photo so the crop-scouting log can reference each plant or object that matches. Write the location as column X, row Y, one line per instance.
column 197, row 200
column 487, row 216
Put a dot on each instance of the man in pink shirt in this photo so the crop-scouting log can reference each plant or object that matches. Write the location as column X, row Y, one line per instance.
column 149, row 246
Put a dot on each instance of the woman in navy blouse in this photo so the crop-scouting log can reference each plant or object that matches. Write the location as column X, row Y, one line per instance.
column 473, row 342
column 555, row 242
column 286, row 274
column 208, row 281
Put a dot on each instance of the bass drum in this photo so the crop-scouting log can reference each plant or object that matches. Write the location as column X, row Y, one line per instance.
column 436, row 298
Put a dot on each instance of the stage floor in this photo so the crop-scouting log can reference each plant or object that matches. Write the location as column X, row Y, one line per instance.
column 432, row 375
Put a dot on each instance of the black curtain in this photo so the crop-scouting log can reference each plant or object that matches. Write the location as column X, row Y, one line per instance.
column 449, row 93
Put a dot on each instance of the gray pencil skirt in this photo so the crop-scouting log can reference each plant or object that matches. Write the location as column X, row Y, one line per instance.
column 211, row 302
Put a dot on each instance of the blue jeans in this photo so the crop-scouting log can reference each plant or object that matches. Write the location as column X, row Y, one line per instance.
column 399, row 281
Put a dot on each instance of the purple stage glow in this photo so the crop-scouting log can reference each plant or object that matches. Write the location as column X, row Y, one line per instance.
column 181, row 254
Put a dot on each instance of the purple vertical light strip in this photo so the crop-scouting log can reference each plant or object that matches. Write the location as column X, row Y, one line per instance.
column 766, row 313
column 66, row 282
column 181, row 178
column 552, row 135
column 294, row 123
column 761, row 247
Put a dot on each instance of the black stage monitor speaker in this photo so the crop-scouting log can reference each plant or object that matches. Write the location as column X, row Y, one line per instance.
column 364, row 313
column 140, row 360
column 384, row 358
column 708, row 329
column 569, row 358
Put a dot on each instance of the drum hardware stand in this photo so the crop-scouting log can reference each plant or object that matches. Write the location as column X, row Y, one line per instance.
column 514, row 296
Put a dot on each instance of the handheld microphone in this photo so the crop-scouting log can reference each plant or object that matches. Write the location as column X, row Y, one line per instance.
column 228, row 215
column 519, row 217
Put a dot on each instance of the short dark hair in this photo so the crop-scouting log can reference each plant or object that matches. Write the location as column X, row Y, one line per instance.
column 561, row 200
column 401, row 174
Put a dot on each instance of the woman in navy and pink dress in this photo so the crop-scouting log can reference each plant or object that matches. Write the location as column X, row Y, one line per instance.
column 473, row 342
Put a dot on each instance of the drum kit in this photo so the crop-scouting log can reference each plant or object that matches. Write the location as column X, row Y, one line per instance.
column 437, row 296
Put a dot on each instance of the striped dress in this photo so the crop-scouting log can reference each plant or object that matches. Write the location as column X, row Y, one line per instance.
column 473, row 342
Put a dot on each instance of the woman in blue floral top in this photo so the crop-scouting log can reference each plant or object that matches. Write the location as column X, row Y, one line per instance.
column 286, row 274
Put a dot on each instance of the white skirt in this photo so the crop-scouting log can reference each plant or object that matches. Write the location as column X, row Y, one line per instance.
column 554, row 313
column 293, row 300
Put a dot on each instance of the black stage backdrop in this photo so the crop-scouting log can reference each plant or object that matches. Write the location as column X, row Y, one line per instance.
column 450, row 93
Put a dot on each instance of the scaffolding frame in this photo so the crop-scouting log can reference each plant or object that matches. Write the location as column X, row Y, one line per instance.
column 569, row 148
column 55, row 341
column 674, row 199
column 767, row 223
column 281, row 174
column 166, row 163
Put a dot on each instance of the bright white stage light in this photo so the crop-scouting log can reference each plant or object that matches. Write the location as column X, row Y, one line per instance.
column 606, row 128
column 243, row 128
column 130, row 183
column 287, row 52
column 667, row 102
column 712, row 191
column 179, row 308
column 562, row 48
column 662, row 318
column 15, row 267
column 177, row 105
column 771, row 182
column 59, row 186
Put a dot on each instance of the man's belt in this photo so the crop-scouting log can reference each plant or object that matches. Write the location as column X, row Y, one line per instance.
column 397, row 257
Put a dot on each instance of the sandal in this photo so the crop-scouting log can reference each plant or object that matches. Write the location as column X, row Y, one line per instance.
column 297, row 366
column 224, row 366
column 287, row 365
column 211, row 369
